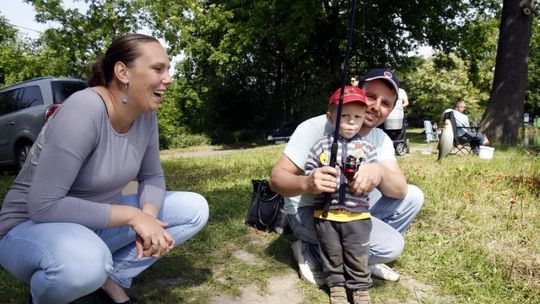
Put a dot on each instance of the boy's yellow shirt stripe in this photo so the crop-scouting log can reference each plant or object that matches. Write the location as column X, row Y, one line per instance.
column 342, row 215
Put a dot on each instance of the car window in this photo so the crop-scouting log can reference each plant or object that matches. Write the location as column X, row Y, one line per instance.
column 18, row 99
column 63, row 89
column 30, row 97
column 8, row 102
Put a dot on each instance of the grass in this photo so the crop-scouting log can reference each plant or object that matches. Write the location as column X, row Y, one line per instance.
column 475, row 241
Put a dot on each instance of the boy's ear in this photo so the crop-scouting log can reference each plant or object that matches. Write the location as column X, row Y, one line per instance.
column 330, row 117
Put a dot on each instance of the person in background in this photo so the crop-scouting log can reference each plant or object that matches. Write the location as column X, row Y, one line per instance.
column 65, row 226
column 463, row 127
column 393, row 203
column 396, row 118
column 343, row 229
column 403, row 98
column 355, row 80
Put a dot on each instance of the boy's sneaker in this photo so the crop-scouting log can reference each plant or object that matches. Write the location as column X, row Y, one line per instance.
column 338, row 295
column 361, row 297
column 307, row 265
column 383, row 272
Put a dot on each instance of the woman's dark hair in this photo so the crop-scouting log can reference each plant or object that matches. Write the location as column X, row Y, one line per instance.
column 124, row 49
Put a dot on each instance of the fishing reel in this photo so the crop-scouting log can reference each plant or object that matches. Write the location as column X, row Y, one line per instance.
column 349, row 166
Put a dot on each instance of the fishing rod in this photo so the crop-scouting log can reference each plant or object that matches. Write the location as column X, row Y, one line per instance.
column 334, row 147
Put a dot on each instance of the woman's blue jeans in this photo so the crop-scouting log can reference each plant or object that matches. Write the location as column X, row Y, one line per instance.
column 65, row 261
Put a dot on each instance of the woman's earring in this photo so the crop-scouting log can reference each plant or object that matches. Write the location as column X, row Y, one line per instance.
column 125, row 100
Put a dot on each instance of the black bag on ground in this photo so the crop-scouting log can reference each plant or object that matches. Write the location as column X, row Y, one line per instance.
column 265, row 211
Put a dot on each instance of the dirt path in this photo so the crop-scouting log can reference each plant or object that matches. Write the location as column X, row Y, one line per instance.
column 278, row 290
column 285, row 286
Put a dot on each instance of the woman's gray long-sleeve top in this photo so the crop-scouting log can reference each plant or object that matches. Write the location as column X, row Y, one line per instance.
column 79, row 165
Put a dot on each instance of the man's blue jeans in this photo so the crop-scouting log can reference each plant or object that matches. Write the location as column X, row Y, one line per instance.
column 390, row 218
column 65, row 261
column 475, row 139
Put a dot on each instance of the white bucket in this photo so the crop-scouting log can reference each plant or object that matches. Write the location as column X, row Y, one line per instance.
column 486, row 152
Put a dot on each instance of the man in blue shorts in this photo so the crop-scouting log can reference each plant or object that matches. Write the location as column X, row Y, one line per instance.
column 393, row 203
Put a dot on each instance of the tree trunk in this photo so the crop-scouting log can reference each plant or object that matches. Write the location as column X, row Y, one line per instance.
column 504, row 112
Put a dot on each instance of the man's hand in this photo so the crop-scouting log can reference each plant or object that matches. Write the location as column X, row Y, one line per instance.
column 366, row 178
column 323, row 179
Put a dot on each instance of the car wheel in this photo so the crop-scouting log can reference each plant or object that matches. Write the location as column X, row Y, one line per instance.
column 22, row 153
column 401, row 149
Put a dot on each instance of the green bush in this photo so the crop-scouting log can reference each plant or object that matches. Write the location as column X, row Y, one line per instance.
column 188, row 140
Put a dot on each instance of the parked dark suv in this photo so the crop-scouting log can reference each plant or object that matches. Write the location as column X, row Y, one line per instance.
column 282, row 133
column 24, row 108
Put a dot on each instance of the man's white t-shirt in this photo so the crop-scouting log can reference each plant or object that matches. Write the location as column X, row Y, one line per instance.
column 462, row 122
column 398, row 112
column 307, row 134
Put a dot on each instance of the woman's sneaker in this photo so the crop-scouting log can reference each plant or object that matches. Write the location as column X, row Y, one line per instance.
column 307, row 265
column 383, row 272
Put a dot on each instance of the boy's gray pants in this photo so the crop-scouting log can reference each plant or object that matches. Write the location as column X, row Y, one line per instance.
column 344, row 251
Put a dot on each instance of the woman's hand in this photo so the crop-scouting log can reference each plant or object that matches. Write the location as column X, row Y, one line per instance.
column 152, row 239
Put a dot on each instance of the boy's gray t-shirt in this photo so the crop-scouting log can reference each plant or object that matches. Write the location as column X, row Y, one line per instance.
column 80, row 165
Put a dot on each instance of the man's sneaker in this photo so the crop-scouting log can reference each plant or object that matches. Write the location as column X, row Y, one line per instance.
column 308, row 267
column 338, row 295
column 383, row 272
column 361, row 297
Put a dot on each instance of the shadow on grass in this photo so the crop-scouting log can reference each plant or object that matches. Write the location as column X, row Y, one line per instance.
column 157, row 284
column 280, row 250
column 169, row 275
column 12, row 290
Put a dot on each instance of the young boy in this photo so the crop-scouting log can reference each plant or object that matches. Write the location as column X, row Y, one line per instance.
column 343, row 230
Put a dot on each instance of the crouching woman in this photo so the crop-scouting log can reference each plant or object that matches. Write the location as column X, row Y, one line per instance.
column 65, row 227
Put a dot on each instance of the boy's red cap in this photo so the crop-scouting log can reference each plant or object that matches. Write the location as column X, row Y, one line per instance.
column 350, row 94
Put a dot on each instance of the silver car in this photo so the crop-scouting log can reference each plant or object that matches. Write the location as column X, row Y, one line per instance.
column 24, row 108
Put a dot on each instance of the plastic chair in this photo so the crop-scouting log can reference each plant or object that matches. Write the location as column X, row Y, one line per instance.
column 431, row 135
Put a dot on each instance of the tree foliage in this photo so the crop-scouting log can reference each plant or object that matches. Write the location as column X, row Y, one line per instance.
column 18, row 58
column 81, row 36
column 245, row 66
column 252, row 64
column 532, row 97
column 436, row 84
column 478, row 49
